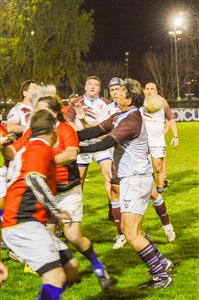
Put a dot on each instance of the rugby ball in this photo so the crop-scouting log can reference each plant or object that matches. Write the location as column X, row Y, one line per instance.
column 154, row 103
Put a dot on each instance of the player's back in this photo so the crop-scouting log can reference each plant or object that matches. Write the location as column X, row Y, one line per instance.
column 21, row 204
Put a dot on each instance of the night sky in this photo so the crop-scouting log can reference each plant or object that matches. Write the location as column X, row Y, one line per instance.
column 131, row 25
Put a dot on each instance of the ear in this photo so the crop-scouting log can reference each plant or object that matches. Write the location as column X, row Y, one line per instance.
column 25, row 93
column 129, row 101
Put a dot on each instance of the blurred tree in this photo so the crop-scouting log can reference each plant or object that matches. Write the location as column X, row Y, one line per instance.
column 42, row 40
column 159, row 67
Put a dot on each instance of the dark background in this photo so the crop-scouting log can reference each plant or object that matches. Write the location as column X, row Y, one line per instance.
column 132, row 25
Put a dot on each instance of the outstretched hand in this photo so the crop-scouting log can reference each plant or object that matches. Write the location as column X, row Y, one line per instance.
column 79, row 109
column 64, row 217
column 3, row 273
column 175, row 142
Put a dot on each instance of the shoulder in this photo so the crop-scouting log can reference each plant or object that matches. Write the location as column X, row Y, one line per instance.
column 105, row 100
column 168, row 111
column 64, row 126
column 79, row 99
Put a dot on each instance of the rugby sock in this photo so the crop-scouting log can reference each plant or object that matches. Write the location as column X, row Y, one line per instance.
column 92, row 257
column 161, row 257
column 150, row 258
column 67, row 285
column 50, row 292
column 161, row 210
column 110, row 213
column 117, row 215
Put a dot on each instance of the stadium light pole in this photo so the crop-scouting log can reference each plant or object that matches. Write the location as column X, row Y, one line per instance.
column 126, row 62
column 178, row 22
column 32, row 33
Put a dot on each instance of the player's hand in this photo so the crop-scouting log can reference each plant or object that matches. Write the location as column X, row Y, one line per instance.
column 79, row 109
column 7, row 140
column 175, row 142
column 64, row 216
column 3, row 273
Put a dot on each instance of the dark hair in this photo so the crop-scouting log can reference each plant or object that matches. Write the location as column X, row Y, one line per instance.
column 134, row 91
column 93, row 77
column 25, row 86
column 54, row 103
column 42, row 122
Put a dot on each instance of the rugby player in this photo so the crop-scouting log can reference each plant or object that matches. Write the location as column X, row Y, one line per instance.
column 127, row 133
column 30, row 202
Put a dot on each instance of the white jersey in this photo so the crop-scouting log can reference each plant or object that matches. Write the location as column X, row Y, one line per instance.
column 20, row 114
column 110, row 110
column 94, row 112
column 154, row 123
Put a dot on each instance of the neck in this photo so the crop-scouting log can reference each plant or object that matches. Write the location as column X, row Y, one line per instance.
column 91, row 97
column 127, row 108
column 27, row 101
column 49, row 138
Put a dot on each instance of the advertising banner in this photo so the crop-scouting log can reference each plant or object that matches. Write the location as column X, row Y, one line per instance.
column 186, row 114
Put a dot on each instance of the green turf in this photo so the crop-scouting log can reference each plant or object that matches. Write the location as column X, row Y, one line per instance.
column 124, row 265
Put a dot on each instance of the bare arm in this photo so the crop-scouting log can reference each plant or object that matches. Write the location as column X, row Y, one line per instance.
column 68, row 155
column 167, row 126
column 3, row 272
column 8, row 152
column 175, row 139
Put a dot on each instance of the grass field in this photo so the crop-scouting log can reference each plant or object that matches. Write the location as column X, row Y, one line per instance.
column 182, row 199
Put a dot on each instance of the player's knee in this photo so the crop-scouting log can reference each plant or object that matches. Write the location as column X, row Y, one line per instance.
column 71, row 268
column 154, row 194
column 130, row 234
column 115, row 189
column 73, row 236
column 55, row 277
column 158, row 169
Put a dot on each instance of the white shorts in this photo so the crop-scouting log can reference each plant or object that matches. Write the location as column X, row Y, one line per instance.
column 3, row 185
column 135, row 192
column 85, row 159
column 71, row 201
column 157, row 152
column 37, row 246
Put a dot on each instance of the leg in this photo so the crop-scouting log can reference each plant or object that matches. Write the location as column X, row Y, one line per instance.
column 56, row 277
column 164, row 170
column 84, row 245
column 71, row 269
column 158, row 166
column 83, row 172
column 120, row 240
column 131, row 225
column 41, row 253
column 72, row 202
column 52, row 284
column 161, row 210
column 134, row 195
column 105, row 166
column 74, row 235
column 115, row 203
